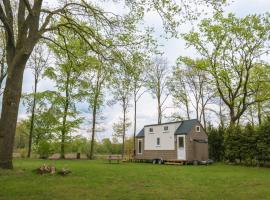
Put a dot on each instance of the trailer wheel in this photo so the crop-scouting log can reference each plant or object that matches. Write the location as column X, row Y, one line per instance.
column 160, row 161
column 195, row 162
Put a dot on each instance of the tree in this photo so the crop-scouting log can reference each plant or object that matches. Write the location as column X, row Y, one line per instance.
column 232, row 47
column 37, row 63
column 121, row 90
column 119, row 129
column 157, row 82
column 36, row 21
column 66, row 75
column 139, row 63
column 94, row 80
column 179, row 92
column 22, row 134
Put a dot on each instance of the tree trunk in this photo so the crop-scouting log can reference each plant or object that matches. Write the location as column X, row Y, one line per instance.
column 32, row 121
column 259, row 113
column 64, row 128
column 221, row 114
column 124, row 128
column 159, row 111
column 187, row 110
column 135, row 124
column 10, row 107
column 93, row 131
column 233, row 119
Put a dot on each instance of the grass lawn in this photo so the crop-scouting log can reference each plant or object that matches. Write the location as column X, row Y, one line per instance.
column 99, row 180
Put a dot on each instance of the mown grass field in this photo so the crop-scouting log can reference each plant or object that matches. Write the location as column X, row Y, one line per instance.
column 100, row 180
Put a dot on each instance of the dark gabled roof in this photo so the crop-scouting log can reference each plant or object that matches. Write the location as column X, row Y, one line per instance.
column 163, row 123
column 185, row 126
column 141, row 133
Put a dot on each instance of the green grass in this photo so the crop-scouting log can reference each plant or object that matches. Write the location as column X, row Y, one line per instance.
column 99, row 180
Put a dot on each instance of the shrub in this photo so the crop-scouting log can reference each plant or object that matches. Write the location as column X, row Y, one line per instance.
column 23, row 152
column 44, row 149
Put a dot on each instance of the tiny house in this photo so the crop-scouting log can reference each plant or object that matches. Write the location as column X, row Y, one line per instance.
column 181, row 141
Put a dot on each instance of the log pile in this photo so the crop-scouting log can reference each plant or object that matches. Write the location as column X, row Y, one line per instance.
column 64, row 172
column 50, row 169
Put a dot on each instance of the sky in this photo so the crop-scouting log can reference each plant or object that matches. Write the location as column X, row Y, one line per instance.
column 147, row 106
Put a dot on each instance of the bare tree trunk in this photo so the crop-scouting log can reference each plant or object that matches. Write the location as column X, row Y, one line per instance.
column 259, row 113
column 203, row 110
column 64, row 128
column 187, row 109
column 124, row 128
column 93, row 130
column 135, row 124
column 32, row 120
column 251, row 115
column 221, row 114
column 10, row 107
column 159, row 111
column 233, row 120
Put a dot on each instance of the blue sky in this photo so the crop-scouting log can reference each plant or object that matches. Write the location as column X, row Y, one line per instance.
column 172, row 49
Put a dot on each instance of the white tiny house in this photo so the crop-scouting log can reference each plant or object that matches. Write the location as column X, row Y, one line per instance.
column 172, row 141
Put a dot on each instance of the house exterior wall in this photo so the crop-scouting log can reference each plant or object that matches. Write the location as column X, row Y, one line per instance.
column 195, row 150
column 167, row 139
column 151, row 154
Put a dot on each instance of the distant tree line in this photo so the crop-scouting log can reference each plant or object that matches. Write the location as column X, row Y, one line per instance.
column 44, row 147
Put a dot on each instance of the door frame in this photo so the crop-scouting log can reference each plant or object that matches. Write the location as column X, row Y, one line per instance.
column 177, row 148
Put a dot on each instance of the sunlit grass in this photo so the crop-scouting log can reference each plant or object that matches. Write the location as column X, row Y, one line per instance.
column 100, row 180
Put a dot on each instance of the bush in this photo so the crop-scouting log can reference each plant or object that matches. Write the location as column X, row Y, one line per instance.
column 249, row 145
column 23, row 152
column 44, row 149
column 216, row 143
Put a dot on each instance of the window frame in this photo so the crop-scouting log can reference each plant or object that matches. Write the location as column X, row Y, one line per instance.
column 140, row 141
column 158, row 142
column 198, row 129
column 151, row 130
column 165, row 130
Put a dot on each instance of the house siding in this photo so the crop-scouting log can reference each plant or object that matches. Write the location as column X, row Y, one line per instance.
column 151, row 154
column 195, row 150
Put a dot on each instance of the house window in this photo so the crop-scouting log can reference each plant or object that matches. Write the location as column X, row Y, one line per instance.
column 165, row 128
column 158, row 141
column 198, row 128
column 180, row 142
column 151, row 130
column 139, row 146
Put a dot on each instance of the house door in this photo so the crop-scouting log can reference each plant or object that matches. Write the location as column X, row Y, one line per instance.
column 181, row 150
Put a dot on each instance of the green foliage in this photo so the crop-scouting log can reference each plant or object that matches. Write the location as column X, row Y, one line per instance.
column 234, row 49
column 249, row 145
column 216, row 143
column 23, row 152
column 263, row 142
column 44, row 149
column 22, row 132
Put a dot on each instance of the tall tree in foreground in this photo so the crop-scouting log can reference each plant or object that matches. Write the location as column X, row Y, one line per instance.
column 122, row 90
column 37, row 63
column 66, row 74
column 35, row 20
column 94, row 81
column 157, row 81
column 233, row 47
column 138, row 85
